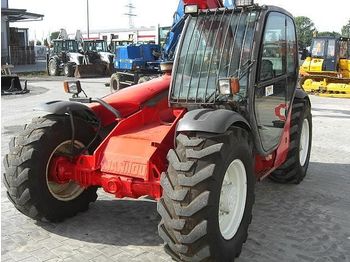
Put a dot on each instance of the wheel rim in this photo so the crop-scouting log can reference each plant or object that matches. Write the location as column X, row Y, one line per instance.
column 66, row 70
column 232, row 199
column 63, row 191
column 304, row 142
column 52, row 68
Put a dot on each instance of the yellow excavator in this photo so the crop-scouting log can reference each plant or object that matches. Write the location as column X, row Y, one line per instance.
column 326, row 69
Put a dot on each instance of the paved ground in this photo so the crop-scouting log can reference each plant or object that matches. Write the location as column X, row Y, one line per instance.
column 308, row 222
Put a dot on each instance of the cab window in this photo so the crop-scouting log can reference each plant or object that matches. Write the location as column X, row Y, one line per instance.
column 58, row 47
column 331, row 48
column 291, row 46
column 273, row 48
column 318, row 48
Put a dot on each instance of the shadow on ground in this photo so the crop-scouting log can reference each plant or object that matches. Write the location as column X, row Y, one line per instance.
column 305, row 222
column 113, row 222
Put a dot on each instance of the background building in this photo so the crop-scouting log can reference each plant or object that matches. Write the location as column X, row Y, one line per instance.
column 15, row 48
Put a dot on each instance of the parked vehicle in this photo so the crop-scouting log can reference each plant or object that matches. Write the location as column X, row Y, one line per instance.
column 326, row 69
column 98, row 51
column 66, row 57
column 135, row 64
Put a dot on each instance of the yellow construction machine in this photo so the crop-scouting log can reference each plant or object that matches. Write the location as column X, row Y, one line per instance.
column 326, row 70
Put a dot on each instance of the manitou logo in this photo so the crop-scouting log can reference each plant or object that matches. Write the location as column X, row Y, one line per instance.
column 125, row 167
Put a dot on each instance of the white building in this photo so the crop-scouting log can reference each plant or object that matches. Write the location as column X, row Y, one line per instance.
column 137, row 34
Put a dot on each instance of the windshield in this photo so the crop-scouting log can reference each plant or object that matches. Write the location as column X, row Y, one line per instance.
column 215, row 45
column 317, row 49
column 99, row 46
column 72, row 46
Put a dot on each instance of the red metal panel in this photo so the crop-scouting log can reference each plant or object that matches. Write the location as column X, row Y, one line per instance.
column 265, row 165
column 129, row 100
column 204, row 4
column 136, row 151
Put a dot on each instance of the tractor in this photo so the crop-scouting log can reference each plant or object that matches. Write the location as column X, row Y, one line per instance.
column 66, row 57
column 98, row 50
column 225, row 114
column 63, row 57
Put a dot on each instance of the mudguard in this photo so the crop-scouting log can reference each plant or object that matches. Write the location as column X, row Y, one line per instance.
column 59, row 107
column 211, row 121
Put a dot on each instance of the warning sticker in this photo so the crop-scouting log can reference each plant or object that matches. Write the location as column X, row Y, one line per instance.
column 269, row 90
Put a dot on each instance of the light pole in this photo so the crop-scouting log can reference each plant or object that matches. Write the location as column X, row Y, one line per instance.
column 87, row 18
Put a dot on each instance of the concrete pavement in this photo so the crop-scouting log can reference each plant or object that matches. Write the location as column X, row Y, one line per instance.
column 306, row 222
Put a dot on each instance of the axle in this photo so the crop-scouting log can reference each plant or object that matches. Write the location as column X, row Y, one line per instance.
column 62, row 170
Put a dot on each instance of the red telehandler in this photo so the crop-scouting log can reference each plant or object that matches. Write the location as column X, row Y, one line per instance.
column 226, row 113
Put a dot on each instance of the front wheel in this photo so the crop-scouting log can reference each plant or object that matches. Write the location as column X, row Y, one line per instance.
column 68, row 70
column 33, row 162
column 208, row 195
column 53, row 68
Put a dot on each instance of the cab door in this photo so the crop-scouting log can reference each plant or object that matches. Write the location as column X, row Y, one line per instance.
column 276, row 78
column 329, row 62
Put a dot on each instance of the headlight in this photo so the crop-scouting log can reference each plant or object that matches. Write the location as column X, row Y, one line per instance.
column 191, row 9
column 244, row 2
column 228, row 86
column 72, row 87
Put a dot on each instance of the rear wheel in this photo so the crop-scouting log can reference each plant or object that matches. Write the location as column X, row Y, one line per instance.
column 32, row 163
column 208, row 194
column 297, row 162
column 115, row 83
column 53, row 68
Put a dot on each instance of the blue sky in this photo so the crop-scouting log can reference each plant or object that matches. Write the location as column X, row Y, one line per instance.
column 108, row 14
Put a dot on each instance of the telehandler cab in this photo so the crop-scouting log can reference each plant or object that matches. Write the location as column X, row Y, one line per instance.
column 195, row 140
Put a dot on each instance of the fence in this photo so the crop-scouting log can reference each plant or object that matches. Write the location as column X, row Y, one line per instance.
column 22, row 55
column 40, row 52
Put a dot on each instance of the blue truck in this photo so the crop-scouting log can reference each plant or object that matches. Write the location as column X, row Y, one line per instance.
column 135, row 63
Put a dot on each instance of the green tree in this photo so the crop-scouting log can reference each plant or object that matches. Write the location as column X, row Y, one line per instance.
column 305, row 29
column 345, row 31
column 327, row 33
column 54, row 35
column 38, row 42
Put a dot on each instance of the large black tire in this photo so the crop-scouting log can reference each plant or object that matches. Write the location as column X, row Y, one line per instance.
column 189, row 206
column 53, row 68
column 68, row 70
column 293, row 171
column 26, row 164
column 115, row 84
